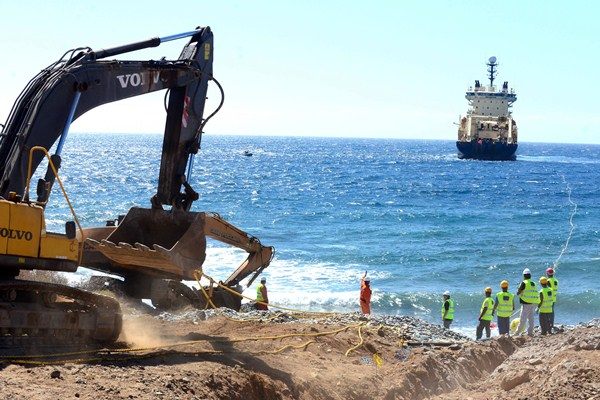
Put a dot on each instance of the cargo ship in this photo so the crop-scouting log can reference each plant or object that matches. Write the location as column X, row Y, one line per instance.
column 488, row 130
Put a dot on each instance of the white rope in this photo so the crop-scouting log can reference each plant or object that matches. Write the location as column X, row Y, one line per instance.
column 571, row 224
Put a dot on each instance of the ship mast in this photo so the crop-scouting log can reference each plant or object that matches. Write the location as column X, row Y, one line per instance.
column 492, row 64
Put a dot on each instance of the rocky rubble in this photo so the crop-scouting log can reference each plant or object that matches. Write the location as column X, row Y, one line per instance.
column 411, row 328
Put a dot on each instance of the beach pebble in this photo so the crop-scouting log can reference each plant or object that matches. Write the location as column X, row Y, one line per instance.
column 515, row 379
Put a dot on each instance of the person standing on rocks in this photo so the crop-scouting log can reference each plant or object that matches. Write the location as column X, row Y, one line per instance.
column 552, row 284
column 504, row 306
column 261, row 295
column 365, row 294
column 485, row 315
column 447, row 310
column 529, row 299
column 545, row 306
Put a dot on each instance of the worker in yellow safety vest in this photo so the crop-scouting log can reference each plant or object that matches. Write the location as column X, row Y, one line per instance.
column 261, row 294
column 545, row 306
column 504, row 305
column 485, row 315
column 447, row 310
column 529, row 299
column 552, row 284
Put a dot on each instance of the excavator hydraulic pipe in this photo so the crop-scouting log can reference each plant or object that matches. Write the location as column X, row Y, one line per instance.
column 65, row 131
column 126, row 48
column 179, row 36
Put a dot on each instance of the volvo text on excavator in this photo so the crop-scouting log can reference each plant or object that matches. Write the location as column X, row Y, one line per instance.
column 152, row 249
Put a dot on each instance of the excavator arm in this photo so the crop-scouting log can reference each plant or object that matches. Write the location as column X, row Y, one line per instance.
column 259, row 256
column 147, row 246
column 67, row 89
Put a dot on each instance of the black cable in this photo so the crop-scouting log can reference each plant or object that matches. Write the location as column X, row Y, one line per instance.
column 203, row 124
column 165, row 100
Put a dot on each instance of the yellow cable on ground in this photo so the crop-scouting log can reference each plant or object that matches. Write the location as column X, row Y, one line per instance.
column 316, row 334
column 359, row 343
column 291, row 346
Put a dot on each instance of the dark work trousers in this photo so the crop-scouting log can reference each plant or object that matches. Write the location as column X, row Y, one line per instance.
column 447, row 323
column 503, row 325
column 483, row 324
column 546, row 323
column 552, row 317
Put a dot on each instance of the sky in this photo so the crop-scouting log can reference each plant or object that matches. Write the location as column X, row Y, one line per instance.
column 386, row 69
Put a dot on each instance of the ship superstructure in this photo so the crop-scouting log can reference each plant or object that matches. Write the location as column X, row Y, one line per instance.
column 488, row 131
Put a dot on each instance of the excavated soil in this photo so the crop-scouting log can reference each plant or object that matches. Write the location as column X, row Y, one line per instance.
column 228, row 359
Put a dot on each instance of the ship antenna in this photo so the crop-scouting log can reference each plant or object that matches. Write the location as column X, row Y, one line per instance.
column 492, row 64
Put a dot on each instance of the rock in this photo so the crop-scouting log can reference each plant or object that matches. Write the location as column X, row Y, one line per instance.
column 55, row 374
column 588, row 346
column 535, row 361
column 456, row 346
column 515, row 379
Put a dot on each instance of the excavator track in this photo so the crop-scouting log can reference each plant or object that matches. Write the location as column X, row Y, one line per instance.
column 38, row 315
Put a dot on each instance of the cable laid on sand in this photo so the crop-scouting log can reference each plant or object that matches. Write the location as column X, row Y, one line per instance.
column 351, row 349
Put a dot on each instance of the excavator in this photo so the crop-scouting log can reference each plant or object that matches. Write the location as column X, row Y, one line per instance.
column 153, row 250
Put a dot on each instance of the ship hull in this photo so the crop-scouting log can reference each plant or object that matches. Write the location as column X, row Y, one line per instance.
column 487, row 150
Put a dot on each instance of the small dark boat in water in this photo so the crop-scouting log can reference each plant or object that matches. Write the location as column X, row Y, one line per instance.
column 247, row 153
column 488, row 131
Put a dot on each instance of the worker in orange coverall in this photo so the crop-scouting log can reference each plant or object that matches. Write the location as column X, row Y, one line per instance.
column 365, row 294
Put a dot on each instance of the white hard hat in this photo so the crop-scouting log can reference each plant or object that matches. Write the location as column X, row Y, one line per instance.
column 263, row 279
column 446, row 293
column 367, row 279
column 526, row 271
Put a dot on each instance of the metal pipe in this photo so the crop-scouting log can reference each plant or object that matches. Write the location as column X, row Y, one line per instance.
column 126, row 48
column 65, row 132
column 179, row 36
column 190, row 167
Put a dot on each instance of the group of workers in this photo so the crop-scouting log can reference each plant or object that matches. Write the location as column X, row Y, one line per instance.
column 502, row 304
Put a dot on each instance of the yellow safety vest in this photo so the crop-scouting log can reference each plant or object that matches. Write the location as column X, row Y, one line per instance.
column 259, row 296
column 553, row 284
column 530, row 293
column 450, row 314
column 546, row 306
column 505, row 304
column 489, row 303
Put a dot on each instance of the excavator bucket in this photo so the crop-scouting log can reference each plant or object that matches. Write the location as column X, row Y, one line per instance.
column 171, row 244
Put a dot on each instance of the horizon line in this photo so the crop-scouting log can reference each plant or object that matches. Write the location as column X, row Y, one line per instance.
column 316, row 136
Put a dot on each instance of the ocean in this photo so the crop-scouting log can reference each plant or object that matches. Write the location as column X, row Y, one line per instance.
column 419, row 220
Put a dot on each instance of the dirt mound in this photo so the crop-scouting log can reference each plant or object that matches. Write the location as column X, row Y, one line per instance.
column 213, row 356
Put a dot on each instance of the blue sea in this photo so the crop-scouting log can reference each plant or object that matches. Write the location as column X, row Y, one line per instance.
column 419, row 220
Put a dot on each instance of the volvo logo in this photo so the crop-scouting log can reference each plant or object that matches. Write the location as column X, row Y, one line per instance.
column 15, row 234
column 138, row 79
